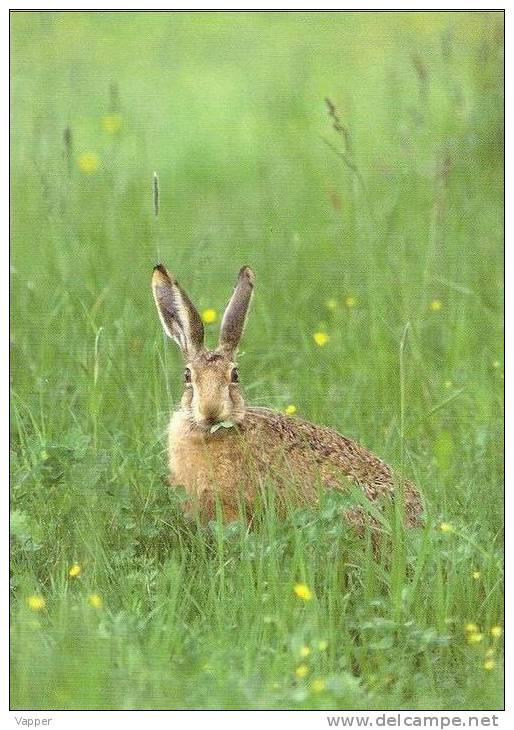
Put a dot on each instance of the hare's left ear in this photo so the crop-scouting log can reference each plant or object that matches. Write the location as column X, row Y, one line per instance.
column 177, row 313
column 234, row 318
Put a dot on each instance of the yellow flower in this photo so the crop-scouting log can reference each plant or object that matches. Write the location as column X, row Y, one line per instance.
column 496, row 632
column 74, row 570
column 350, row 301
column 305, row 652
column 112, row 123
column 471, row 628
column 303, row 591
column 302, row 671
column 95, row 600
column 321, row 338
column 36, row 603
column 476, row 575
column 209, row 316
column 489, row 664
column 318, row 685
column 489, row 653
column 331, row 304
column 89, row 162
column 290, row 410
column 446, row 527
column 475, row 638
column 323, row 645
column 436, row 305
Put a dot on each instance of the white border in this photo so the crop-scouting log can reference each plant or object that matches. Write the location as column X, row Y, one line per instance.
column 228, row 720
column 291, row 6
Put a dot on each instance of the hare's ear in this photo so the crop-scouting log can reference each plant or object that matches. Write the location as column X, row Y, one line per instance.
column 235, row 314
column 178, row 315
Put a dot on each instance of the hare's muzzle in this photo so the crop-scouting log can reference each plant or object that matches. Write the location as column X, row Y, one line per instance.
column 209, row 415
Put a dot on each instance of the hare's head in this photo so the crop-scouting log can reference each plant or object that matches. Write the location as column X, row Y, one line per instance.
column 211, row 378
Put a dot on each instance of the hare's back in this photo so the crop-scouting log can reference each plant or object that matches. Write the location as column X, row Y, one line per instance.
column 310, row 448
column 304, row 441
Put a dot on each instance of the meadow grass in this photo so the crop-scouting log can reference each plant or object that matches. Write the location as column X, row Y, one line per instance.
column 390, row 242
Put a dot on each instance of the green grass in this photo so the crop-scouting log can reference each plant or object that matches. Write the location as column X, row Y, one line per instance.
column 228, row 108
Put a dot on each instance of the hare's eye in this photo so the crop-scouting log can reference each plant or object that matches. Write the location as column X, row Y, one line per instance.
column 234, row 376
column 187, row 375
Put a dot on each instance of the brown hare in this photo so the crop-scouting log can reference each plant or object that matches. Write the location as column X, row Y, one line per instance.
column 223, row 451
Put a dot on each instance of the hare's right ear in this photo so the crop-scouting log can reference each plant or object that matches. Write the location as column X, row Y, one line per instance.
column 234, row 318
column 177, row 313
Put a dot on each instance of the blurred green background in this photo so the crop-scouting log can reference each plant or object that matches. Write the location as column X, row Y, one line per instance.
column 387, row 228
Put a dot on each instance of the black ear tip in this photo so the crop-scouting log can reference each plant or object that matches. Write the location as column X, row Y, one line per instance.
column 163, row 271
column 161, row 275
column 247, row 273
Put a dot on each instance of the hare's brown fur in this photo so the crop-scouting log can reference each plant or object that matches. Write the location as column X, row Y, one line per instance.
column 269, row 448
column 260, row 448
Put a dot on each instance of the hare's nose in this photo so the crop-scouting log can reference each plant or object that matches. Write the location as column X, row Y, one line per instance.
column 210, row 413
